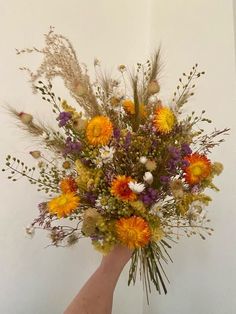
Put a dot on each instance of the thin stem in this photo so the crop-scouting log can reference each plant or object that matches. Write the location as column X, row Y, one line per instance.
column 33, row 179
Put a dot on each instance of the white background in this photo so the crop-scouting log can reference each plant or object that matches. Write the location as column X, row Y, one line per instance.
column 42, row 281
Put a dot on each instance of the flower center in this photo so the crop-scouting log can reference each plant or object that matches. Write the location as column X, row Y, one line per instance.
column 62, row 201
column 97, row 130
column 106, row 154
column 125, row 190
column 196, row 170
column 132, row 234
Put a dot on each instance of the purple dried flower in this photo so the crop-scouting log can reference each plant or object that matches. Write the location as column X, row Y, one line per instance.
column 116, row 134
column 127, row 140
column 90, row 197
column 63, row 118
column 146, row 199
column 172, row 165
column 185, row 163
column 174, row 152
column 73, row 147
column 176, row 158
column 164, row 179
column 149, row 196
column 185, row 149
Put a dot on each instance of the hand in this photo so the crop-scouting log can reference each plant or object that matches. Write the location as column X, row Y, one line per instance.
column 117, row 258
column 96, row 295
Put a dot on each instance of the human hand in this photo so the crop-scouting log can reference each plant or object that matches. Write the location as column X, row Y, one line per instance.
column 117, row 258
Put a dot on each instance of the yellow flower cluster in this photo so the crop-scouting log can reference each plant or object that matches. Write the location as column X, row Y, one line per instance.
column 184, row 203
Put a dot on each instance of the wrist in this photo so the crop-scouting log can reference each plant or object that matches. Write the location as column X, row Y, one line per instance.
column 117, row 258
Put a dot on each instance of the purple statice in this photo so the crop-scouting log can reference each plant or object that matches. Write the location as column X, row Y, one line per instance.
column 63, row 118
column 185, row 149
column 164, row 179
column 90, row 197
column 149, row 196
column 185, row 163
column 127, row 140
column 116, row 134
column 174, row 152
column 72, row 146
column 172, row 165
column 177, row 160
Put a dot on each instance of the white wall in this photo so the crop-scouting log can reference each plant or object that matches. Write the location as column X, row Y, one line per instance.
column 40, row 281
column 203, row 275
column 33, row 279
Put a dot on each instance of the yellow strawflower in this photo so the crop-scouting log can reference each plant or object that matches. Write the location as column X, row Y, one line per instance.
column 134, row 232
column 63, row 205
column 99, row 130
column 164, row 120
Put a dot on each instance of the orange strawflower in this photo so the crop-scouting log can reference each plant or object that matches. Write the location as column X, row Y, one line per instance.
column 198, row 169
column 68, row 185
column 130, row 108
column 99, row 130
column 121, row 190
column 133, row 232
column 63, row 205
column 164, row 119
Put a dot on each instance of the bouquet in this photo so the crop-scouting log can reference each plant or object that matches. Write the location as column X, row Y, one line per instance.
column 122, row 166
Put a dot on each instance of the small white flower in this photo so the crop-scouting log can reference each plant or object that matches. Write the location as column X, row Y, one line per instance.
column 136, row 187
column 156, row 209
column 153, row 99
column 159, row 214
column 98, row 163
column 100, row 204
column 148, row 177
column 106, row 153
column 143, row 160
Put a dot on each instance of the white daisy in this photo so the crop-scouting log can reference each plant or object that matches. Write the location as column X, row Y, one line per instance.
column 156, row 209
column 148, row 177
column 106, row 153
column 143, row 160
column 100, row 204
column 136, row 187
